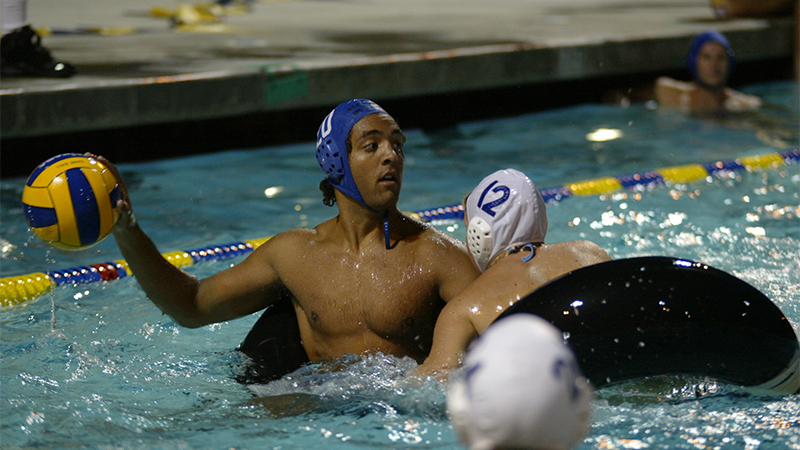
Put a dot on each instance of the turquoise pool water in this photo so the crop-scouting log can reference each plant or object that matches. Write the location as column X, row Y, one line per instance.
column 112, row 372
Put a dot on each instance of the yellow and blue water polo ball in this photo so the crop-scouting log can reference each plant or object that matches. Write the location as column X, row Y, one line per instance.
column 70, row 201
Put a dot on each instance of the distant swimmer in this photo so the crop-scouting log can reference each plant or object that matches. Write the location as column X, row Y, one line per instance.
column 371, row 279
column 710, row 60
column 506, row 226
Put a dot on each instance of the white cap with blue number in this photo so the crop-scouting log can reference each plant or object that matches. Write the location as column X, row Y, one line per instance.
column 520, row 387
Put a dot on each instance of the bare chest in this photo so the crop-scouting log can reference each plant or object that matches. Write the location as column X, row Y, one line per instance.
column 393, row 298
column 705, row 101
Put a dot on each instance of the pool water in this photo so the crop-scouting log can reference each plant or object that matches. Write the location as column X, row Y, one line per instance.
column 112, row 372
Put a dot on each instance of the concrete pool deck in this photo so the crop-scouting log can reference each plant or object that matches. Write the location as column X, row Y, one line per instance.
column 136, row 70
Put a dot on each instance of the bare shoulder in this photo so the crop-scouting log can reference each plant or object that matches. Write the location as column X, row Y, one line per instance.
column 447, row 260
column 291, row 237
column 573, row 253
column 739, row 101
column 288, row 243
column 589, row 252
column 668, row 91
column 435, row 242
column 671, row 83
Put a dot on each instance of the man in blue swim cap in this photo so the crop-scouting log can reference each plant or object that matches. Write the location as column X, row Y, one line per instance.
column 710, row 60
column 334, row 146
column 371, row 279
column 333, row 155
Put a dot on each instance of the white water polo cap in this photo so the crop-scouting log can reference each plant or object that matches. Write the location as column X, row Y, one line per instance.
column 505, row 210
column 520, row 388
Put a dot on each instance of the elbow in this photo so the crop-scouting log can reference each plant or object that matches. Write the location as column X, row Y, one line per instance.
column 190, row 321
column 187, row 319
column 186, row 307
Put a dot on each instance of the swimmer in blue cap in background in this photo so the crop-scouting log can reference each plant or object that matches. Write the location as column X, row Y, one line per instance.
column 371, row 279
column 710, row 60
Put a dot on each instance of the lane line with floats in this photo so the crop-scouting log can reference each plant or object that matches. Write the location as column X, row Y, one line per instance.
column 19, row 289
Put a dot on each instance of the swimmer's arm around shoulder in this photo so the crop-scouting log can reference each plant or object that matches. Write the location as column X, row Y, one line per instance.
column 738, row 101
column 451, row 336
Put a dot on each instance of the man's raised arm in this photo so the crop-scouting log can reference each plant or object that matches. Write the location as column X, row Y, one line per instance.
column 235, row 292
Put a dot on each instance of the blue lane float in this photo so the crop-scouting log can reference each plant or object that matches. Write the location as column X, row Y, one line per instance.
column 639, row 181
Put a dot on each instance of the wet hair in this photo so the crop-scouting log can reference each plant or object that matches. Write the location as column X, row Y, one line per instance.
column 328, row 191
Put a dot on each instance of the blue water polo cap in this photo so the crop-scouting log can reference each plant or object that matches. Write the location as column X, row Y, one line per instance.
column 332, row 143
column 700, row 40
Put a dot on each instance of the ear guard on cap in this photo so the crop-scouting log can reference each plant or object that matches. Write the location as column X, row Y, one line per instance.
column 479, row 241
column 330, row 159
column 328, row 155
column 332, row 144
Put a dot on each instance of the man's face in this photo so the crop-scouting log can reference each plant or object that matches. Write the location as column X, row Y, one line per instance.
column 712, row 64
column 376, row 160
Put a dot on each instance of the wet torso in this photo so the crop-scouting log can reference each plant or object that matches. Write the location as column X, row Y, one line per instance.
column 350, row 302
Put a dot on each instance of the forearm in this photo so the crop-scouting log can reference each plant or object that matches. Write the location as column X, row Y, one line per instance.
column 453, row 333
column 171, row 289
column 737, row 101
column 174, row 291
column 439, row 363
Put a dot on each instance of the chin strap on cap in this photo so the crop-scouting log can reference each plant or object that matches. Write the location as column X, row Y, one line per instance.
column 386, row 229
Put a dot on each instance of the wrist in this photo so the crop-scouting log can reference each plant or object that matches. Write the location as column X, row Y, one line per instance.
column 126, row 225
